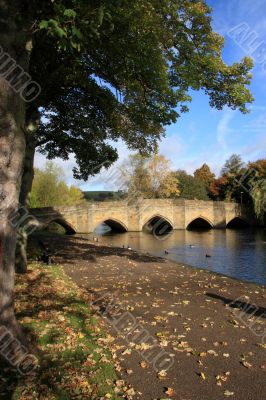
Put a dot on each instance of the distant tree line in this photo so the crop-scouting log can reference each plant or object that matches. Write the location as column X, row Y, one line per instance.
column 152, row 177
column 243, row 183
column 104, row 195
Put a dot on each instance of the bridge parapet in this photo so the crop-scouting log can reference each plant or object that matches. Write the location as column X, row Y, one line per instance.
column 179, row 213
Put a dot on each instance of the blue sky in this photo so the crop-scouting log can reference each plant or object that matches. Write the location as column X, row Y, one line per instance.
column 205, row 134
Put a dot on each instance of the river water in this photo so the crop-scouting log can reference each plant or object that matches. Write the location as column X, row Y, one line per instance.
column 239, row 253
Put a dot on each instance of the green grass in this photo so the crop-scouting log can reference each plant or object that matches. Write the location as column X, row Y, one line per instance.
column 74, row 362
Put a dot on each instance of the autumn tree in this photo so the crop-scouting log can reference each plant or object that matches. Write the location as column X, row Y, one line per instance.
column 258, row 168
column 163, row 181
column 107, row 69
column 149, row 177
column 217, row 188
column 205, row 175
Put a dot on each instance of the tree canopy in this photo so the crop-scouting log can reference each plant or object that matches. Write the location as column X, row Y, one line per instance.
column 204, row 175
column 233, row 165
column 124, row 69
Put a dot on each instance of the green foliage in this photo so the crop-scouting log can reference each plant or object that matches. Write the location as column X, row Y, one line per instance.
column 70, row 13
column 258, row 194
column 255, row 181
column 233, row 165
column 191, row 187
column 49, row 189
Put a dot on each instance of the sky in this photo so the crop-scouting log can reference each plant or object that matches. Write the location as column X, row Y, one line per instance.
column 205, row 134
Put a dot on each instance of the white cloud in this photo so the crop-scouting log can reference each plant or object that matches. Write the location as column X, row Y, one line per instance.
column 223, row 129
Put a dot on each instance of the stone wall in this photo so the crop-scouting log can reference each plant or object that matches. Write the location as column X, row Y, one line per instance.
column 179, row 213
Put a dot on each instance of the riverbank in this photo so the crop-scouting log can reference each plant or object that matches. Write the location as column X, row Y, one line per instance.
column 216, row 348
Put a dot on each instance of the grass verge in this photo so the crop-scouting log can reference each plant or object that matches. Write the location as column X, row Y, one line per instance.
column 75, row 361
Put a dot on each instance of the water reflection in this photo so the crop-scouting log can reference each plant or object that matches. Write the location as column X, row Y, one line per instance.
column 238, row 253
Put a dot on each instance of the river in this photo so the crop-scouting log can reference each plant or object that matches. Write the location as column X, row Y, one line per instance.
column 239, row 253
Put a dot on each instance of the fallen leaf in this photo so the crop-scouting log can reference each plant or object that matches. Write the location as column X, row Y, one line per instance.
column 170, row 391
column 162, row 374
column 202, row 375
column 203, row 354
column 227, row 393
column 143, row 364
column 130, row 392
column 263, row 345
column 246, row 364
column 127, row 351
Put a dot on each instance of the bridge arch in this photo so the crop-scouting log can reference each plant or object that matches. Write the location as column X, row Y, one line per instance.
column 70, row 230
column 200, row 222
column 114, row 224
column 237, row 222
column 157, row 224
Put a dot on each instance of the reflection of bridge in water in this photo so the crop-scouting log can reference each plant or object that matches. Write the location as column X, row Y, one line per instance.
column 159, row 214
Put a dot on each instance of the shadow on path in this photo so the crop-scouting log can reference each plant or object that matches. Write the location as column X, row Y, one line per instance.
column 242, row 305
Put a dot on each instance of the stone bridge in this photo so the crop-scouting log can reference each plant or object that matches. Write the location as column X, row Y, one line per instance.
column 145, row 214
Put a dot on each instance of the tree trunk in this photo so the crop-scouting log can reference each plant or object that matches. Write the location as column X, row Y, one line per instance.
column 12, row 150
column 26, row 185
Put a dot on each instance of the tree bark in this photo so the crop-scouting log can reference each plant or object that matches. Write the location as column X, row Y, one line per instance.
column 26, row 185
column 12, row 149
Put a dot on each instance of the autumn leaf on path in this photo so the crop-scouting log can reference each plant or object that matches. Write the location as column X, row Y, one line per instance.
column 143, row 364
column 246, row 364
column 162, row 374
column 202, row 375
column 170, row 391
column 228, row 393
